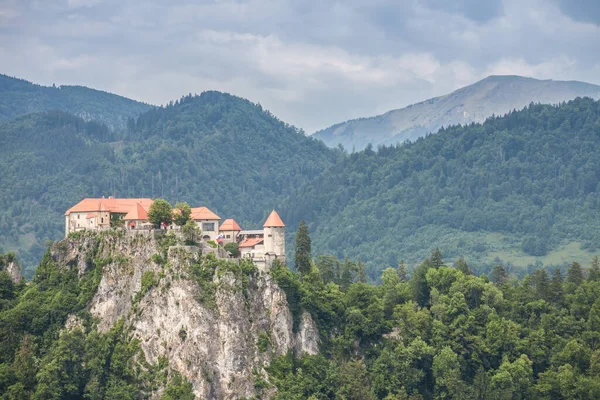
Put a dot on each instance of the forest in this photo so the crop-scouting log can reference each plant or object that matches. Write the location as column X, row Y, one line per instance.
column 439, row 332
column 531, row 177
column 522, row 187
column 215, row 150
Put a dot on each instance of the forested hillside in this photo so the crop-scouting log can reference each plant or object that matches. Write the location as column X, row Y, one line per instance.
column 19, row 97
column 524, row 185
column 443, row 333
column 214, row 149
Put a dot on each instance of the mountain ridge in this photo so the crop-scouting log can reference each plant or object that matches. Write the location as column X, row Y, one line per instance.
column 20, row 97
column 493, row 95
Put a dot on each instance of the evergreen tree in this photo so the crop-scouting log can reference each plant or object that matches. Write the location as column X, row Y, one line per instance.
column 437, row 259
column 594, row 274
column 556, row 286
column 418, row 282
column 499, row 275
column 361, row 271
column 302, row 250
column 462, row 266
column 575, row 273
column 402, row 271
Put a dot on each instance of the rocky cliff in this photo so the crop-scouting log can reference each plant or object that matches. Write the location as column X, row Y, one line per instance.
column 219, row 323
column 9, row 264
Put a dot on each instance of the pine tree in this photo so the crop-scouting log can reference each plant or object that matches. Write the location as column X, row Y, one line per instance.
column 556, row 286
column 361, row 271
column 462, row 266
column 594, row 270
column 575, row 273
column 402, row 271
column 499, row 275
column 437, row 259
column 302, row 250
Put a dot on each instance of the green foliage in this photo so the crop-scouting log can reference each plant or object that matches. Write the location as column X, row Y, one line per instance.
column 182, row 213
column 148, row 282
column 160, row 213
column 444, row 334
column 191, row 232
column 531, row 176
column 53, row 160
column 302, row 250
column 178, row 388
column 232, row 248
column 19, row 97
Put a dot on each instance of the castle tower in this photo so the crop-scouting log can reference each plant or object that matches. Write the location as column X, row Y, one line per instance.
column 274, row 239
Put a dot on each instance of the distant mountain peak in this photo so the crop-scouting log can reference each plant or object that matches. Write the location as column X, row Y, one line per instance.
column 493, row 95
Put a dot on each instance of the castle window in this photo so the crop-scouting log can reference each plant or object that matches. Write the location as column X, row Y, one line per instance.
column 228, row 236
column 270, row 235
column 208, row 226
column 78, row 216
column 102, row 220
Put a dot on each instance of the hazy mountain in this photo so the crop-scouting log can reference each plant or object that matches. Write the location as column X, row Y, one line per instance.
column 522, row 187
column 19, row 97
column 494, row 95
column 214, row 149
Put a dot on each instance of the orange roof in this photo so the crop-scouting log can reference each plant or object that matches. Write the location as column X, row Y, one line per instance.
column 203, row 213
column 230, row 225
column 251, row 242
column 274, row 220
column 108, row 204
column 90, row 215
column 138, row 213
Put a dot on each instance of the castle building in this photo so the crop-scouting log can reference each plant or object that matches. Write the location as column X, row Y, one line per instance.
column 266, row 245
column 230, row 230
column 263, row 246
column 104, row 213
column 207, row 221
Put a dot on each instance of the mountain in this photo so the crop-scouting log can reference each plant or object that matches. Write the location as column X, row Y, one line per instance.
column 522, row 188
column 494, row 95
column 19, row 97
column 214, row 149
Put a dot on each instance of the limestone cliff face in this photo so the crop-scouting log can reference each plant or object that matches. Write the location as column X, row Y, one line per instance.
column 13, row 269
column 219, row 339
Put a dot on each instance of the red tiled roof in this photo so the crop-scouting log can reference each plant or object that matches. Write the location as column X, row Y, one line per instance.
column 137, row 213
column 108, row 204
column 230, row 225
column 251, row 242
column 203, row 213
column 274, row 220
column 91, row 215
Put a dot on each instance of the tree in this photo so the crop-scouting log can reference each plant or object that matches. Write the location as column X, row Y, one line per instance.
column 232, row 248
column 446, row 370
column 437, row 259
column 499, row 275
column 594, row 274
column 419, row 285
column 329, row 268
column 191, row 232
column 302, row 250
column 160, row 213
column 182, row 213
column 462, row 266
column 402, row 271
column 575, row 273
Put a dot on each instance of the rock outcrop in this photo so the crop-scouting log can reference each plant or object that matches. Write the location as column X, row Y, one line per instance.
column 9, row 264
column 220, row 333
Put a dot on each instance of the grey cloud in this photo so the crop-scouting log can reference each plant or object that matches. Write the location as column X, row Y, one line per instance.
column 312, row 63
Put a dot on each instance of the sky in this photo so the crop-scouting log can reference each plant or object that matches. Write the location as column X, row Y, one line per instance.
column 312, row 63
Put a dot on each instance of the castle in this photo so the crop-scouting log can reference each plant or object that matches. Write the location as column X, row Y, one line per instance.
column 261, row 245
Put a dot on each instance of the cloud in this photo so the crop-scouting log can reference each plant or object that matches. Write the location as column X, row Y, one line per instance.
column 312, row 63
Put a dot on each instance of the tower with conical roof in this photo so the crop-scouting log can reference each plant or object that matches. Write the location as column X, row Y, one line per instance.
column 274, row 236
